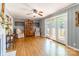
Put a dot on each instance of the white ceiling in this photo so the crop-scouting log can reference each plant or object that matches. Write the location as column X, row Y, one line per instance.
column 19, row 10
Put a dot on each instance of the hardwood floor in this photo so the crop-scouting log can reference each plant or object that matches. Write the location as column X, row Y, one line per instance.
column 37, row 46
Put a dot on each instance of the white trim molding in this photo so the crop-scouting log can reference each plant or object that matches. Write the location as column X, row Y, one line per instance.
column 73, row 48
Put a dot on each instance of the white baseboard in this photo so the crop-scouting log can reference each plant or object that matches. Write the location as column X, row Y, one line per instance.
column 73, row 48
column 70, row 46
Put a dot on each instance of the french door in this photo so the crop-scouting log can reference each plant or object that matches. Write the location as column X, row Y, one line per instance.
column 62, row 28
column 50, row 29
column 56, row 28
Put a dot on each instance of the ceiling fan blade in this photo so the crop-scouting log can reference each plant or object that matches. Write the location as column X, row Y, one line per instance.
column 40, row 14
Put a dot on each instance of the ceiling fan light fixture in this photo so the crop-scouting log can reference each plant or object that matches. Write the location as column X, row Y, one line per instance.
column 34, row 10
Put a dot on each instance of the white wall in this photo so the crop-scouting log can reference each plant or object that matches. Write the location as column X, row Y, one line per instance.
column 73, row 31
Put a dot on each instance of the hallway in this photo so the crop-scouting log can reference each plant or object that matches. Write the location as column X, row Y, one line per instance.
column 38, row 46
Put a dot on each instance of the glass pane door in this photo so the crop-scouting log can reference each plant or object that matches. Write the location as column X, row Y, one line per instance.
column 56, row 28
column 61, row 27
column 50, row 28
column 46, row 28
column 53, row 29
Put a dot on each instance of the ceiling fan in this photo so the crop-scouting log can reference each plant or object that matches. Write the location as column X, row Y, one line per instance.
column 35, row 11
column 32, row 11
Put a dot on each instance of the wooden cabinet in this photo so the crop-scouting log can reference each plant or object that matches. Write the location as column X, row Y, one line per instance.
column 29, row 28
